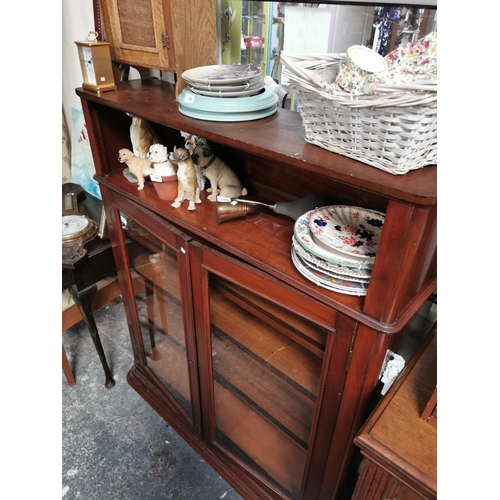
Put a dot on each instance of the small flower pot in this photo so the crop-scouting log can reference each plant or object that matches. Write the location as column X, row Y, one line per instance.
column 167, row 188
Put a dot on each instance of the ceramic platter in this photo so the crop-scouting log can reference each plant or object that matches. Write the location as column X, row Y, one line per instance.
column 254, row 83
column 228, row 109
column 326, row 281
column 335, row 270
column 228, row 117
column 264, row 100
column 353, row 231
column 240, row 93
column 302, row 233
column 222, row 73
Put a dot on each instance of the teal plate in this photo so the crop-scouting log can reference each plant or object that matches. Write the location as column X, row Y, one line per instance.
column 222, row 105
column 227, row 117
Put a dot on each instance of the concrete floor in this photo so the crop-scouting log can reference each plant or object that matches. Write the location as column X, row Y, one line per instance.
column 114, row 445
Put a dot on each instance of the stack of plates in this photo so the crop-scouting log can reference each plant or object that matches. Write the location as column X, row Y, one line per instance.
column 335, row 247
column 226, row 92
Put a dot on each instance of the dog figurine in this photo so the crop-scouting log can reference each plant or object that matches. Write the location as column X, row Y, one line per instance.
column 190, row 179
column 191, row 141
column 142, row 136
column 158, row 154
column 140, row 167
column 223, row 180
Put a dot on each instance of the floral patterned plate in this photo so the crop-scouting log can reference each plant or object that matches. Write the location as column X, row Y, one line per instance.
column 326, row 281
column 354, row 231
column 335, row 270
column 302, row 233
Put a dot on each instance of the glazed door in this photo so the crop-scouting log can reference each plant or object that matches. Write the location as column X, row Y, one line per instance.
column 162, row 329
column 261, row 369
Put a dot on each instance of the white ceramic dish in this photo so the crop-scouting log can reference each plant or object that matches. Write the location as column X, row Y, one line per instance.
column 302, row 233
column 251, row 84
column 336, row 270
column 325, row 281
column 354, row 231
column 218, row 73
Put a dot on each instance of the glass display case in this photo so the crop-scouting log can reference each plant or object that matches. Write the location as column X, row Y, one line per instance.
column 244, row 33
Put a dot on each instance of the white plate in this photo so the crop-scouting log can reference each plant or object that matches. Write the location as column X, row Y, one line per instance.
column 239, row 93
column 325, row 281
column 302, row 232
column 336, row 270
column 222, row 73
column 256, row 82
column 354, row 231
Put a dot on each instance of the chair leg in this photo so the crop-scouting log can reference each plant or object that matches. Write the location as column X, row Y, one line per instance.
column 67, row 369
column 83, row 301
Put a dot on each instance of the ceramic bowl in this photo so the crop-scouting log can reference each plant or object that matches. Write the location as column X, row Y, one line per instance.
column 365, row 60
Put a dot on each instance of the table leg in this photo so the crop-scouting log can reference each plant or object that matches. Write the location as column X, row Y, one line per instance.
column 83, row 300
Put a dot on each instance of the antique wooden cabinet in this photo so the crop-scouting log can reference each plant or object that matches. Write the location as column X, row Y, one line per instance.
column 153, row 34
column 265, row 374
column 400, row 448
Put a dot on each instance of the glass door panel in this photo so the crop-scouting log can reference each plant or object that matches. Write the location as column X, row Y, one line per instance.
column 155, row 277
column 266, row 366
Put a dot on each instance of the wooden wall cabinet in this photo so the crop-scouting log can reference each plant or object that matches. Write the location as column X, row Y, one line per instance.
column 268, row 376
column 161, row 34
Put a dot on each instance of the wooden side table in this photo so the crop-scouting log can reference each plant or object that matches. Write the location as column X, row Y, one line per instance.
column 81, row 281
column 399, row 446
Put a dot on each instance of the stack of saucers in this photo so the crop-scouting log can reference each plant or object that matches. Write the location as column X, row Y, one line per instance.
column 335, row 247
column 226, row 92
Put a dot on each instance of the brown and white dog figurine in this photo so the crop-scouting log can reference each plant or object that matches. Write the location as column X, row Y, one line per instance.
column 140, row 167
column 191, row 141
column 223, row 180
column 190, row 182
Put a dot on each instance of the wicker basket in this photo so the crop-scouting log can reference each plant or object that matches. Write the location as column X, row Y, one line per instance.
column 390, row 127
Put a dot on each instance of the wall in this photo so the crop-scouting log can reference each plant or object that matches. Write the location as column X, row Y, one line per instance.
column 77, row 21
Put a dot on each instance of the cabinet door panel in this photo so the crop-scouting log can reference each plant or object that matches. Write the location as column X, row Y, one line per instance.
column 162, row 303
column 261, row 367
column 139, row 32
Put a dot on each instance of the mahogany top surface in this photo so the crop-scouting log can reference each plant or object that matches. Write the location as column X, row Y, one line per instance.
column 279, row 137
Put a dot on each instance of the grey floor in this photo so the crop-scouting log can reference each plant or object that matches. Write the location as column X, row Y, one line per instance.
column 114, row 445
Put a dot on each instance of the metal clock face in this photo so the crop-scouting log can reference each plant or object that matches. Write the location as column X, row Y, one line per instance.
column 89, row 65
column 74, row 225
